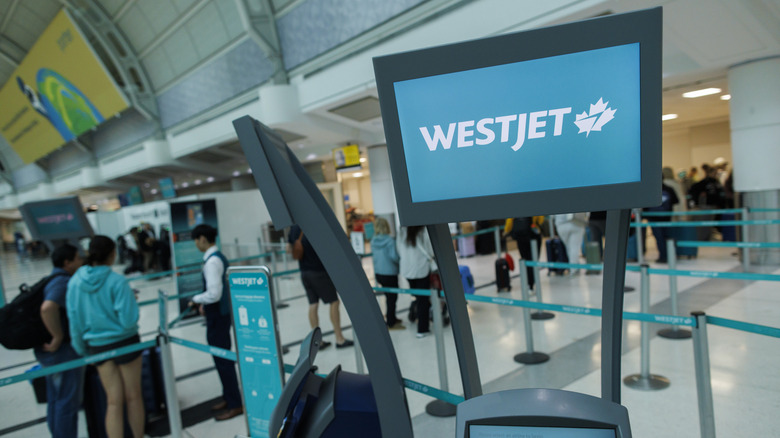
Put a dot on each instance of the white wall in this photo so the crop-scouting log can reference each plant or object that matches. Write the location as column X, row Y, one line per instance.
column 685, row 148
column 241, row 216
column 155, row 213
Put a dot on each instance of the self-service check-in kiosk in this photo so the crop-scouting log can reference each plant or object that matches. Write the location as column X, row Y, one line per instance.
column 549, row 121
column 555, row 120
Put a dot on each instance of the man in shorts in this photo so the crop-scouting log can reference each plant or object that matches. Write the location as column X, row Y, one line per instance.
column 318, row 287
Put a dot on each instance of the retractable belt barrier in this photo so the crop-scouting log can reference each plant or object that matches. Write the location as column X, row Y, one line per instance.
column 476, row 233
column 692, row 212
column 192, row 267
column 76, row 363
column 751, row 245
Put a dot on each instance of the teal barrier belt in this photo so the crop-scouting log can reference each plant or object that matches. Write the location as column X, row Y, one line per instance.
column 695, row 244
column 65, row 366
column 192, row 267
column 395, row 290
column 214, row 351
column 744, row 326
column 172, row 297
column 765, row 210
column 661, row 319
column 588, row 266
column 706, row 223
column 690, row 213
column 475, row 233
column 750, row 276
column 433, row 392
column 290, row 272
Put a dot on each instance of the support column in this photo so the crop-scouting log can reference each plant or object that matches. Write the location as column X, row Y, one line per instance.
column 382, row 192
column 755, row 144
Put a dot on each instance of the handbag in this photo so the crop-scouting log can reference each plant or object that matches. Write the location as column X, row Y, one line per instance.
column 297, row 249
column 435, row 280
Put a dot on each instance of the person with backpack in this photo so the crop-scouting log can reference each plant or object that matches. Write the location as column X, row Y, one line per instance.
column 214, row 304
column 63, row 390
column 103, row 316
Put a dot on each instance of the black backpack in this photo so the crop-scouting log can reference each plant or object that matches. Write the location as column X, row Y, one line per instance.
column 21, row 326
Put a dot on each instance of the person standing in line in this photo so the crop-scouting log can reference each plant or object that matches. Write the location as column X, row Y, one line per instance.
column 522, row 230
column 386, row 268
column 571, row 229
column 103, row 316
column 668, row 200
column 318, row 286
column 214, row 304
column 64, row 390
column 417, row 261
column 597, row 225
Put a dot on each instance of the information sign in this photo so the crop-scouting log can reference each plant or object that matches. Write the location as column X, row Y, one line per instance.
column 257, row 344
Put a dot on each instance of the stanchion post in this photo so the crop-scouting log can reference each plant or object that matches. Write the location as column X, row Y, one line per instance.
column 439, row 408
column 673, row 332
column 497, row 238
column 640, row 242
column 358, row 356
column 285, row 258
column 701, row 360
column 745, row 250
column 277, row 299
column 169, row 377
column 644, row 380
column 539, row 314
column 530, row 357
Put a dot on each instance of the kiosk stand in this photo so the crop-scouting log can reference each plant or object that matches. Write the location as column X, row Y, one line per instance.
column 549, row 121
column 292, row 198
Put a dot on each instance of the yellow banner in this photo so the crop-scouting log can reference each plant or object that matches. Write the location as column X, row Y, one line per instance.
column 58, row 92
column 346, row 157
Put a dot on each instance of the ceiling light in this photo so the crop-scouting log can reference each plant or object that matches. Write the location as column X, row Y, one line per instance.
column 154, row 191
column 249, row 170
column 185, row 184
column 197, row 182
column 363, row 159
column 236, row 173
column 147, row 185
column 725, row 97
column 668, row 117
column 210, row 179
column 357, row 174
column 702, row 92
column 311, row 156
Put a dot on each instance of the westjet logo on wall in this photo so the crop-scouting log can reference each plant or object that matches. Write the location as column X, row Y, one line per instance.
column 561, row 122
column 536, row 123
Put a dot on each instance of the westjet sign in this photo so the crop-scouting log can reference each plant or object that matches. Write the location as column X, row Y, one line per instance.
column 560, row 122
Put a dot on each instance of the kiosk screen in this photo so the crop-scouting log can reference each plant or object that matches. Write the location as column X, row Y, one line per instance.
column 492, row 431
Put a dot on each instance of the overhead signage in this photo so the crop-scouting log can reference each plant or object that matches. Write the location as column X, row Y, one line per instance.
column 257, row 345
column 347, row 158
column 59, row 91
column 553, row 120
column 61, row 218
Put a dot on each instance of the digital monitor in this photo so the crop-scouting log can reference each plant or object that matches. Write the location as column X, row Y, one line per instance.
column 541, row 413
column 167, row 188
column 55, row 219
column 554, row 120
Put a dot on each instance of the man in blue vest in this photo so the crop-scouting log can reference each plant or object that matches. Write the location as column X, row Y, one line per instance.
column 214, row 304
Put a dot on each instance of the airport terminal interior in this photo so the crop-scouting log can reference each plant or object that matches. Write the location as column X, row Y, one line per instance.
column 169, row 77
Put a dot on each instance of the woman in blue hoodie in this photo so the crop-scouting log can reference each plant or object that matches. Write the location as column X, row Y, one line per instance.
column 103, row 315
column 386, row 268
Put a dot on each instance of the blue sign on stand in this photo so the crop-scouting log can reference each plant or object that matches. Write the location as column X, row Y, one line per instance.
column 257, row 344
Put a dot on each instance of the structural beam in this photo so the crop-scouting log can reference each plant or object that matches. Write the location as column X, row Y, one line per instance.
column 260, row 25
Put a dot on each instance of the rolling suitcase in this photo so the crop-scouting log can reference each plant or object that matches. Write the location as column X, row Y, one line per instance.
column 467, row 279
column 556, row 252
column 152, row 386
column 502, row 275
column 592, row 256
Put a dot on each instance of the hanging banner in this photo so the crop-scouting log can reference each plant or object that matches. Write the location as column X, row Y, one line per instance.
column 184, row 217
column 59, row 91
column 257, row 344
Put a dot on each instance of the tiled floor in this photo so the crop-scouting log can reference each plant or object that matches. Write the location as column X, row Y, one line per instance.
column 745, row 384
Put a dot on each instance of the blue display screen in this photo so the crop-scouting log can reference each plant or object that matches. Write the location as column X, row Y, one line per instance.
column 490, row 431
column 257, row 348
column 560, row 122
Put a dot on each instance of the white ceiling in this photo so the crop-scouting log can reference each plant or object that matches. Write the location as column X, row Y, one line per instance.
column 702, row 39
